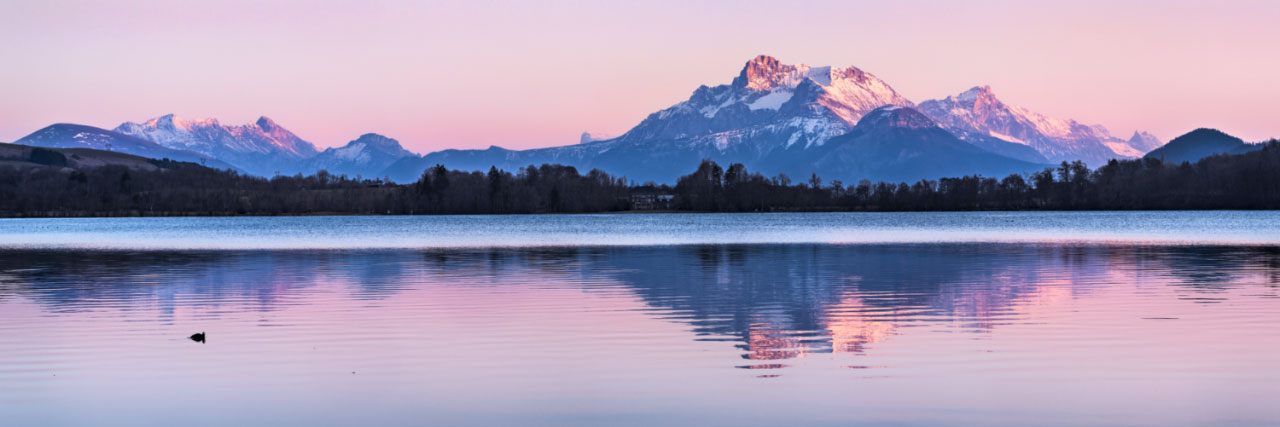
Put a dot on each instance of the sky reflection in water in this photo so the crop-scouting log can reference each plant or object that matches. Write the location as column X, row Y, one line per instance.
column 756, row 334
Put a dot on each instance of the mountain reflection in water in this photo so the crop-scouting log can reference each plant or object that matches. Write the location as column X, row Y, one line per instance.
column 899, row 312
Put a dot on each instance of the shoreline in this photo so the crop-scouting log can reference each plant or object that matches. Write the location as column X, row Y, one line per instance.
column 626, row 212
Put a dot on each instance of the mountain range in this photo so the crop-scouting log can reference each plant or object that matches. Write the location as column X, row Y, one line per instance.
column 65, row 135
column 977, row 113
column 259, row 148
column 772, row 117
column 777, row 118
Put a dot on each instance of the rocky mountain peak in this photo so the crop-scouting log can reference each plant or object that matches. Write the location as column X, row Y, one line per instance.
column 980, row 98
column 764, row 73
column 267, row 124
column 165, row 122
column 1143, row 141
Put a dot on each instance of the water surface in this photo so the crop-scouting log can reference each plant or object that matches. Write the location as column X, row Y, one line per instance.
column 471, row 231
column 1164, row 328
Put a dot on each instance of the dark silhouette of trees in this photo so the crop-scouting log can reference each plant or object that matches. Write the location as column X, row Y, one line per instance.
column 176, row 188
column 1243, row 181
column 47, row 157
column 39, row 183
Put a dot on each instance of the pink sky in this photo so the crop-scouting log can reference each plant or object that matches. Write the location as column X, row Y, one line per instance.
column 524, row 74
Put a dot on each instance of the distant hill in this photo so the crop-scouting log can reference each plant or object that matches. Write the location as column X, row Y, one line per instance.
column 899, row 144
column 366, row 156
column 1200, row 143
column 74, row 158
column 1000, row 146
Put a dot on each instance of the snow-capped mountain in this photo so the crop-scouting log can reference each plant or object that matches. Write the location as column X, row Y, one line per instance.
column 1144, row 142
column 890, row 143
column 803, row 104
column 772, row 117
column 978, row 112
column 261, row 148
column 769, row 113
column 366, row 156
column 65, row 135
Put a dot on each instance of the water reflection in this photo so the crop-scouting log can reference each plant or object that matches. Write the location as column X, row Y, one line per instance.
column 697, row 334
column 773, row 302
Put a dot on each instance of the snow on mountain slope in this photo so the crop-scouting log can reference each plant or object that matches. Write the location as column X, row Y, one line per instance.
column 66, row 135
column 206, row 135
column 1144, row 142
column 773, row 118
column 770, row 112
column 366, row 156
column 594, row 136
column 979, row 111
column 263, row 147
column 799, row 103
column 1123, row 148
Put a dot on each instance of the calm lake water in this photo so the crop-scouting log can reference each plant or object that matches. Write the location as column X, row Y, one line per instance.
column 783, row 319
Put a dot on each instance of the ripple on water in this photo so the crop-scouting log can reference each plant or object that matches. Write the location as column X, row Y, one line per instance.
column 850, row 332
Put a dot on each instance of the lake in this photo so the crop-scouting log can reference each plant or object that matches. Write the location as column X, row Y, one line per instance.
column 1059, row 318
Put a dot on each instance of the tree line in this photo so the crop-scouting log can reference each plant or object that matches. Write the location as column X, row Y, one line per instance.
column 1243, row 181
column 43, row 185
column 180, row 189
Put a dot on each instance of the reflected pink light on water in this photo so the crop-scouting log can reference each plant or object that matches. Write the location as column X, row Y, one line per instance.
column 858, row 333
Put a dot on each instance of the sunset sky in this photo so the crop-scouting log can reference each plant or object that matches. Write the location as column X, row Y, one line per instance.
column 530, row 74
